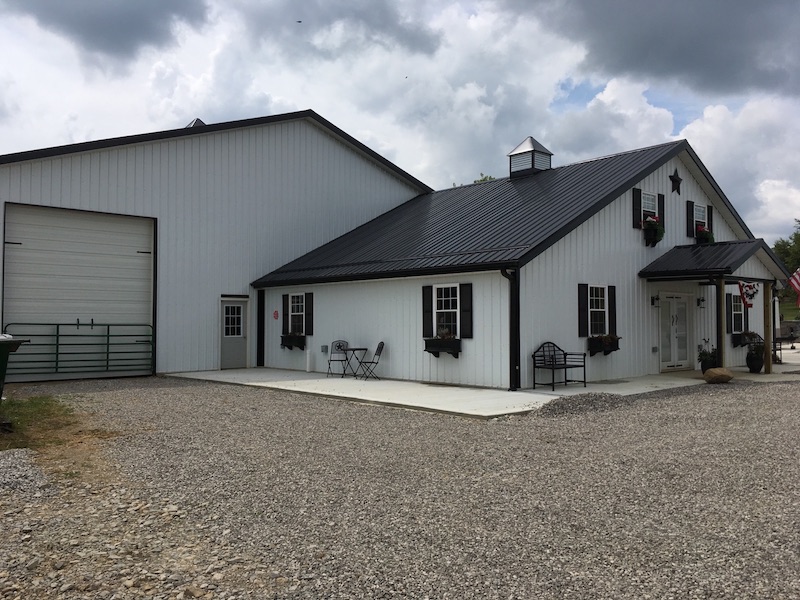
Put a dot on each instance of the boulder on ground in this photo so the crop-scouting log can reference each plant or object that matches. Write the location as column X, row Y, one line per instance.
column 717, row 375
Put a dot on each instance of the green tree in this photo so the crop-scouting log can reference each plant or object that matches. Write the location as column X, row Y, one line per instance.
column 484, row 178
column 789, row 250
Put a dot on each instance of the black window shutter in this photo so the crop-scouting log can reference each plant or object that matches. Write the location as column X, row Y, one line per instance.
column 661, row 209
column 728, row 313
column 690, row 230
column 465, row 310
column 746, row 324
column 710, row 218
column 309, row 307
column 427, row 311
column 583, row 310
column 285, row 328
column 261, row 326
column 612, row 310
column 637, row 208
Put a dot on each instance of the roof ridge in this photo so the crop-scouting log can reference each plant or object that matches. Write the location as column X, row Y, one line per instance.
column 623, row 153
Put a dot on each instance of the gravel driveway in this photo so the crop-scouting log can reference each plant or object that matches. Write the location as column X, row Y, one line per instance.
column 223, row 491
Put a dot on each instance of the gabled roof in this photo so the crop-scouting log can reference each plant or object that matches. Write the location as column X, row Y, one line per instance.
column 198, row 127
column 703, row 261
column 503, row 223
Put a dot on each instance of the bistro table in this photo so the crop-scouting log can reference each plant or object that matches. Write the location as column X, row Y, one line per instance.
column 350, row 354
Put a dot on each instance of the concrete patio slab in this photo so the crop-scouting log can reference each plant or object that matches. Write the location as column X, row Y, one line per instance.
column 466, row 401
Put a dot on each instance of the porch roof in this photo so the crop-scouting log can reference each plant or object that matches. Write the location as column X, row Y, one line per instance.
column 712, row 261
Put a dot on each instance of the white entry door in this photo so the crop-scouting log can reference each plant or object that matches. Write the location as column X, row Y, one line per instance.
column 675, row 328
column 233, row 348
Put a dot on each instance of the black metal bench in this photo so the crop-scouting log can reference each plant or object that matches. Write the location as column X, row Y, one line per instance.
column 551, row 357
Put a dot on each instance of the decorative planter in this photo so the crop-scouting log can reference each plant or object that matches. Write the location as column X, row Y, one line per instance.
column 602, row 344
column 451, row 346
column 652, row 236
column 291, row 340
column 704, row 240
column 755, row 359
column 705, row 365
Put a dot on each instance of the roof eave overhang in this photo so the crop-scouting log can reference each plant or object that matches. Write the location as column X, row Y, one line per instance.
column 405, row 274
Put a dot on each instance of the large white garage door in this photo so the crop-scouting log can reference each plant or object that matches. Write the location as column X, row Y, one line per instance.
column 80, row 286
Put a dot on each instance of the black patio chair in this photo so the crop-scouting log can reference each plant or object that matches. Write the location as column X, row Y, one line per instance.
column 367, row 367
column 337, row 355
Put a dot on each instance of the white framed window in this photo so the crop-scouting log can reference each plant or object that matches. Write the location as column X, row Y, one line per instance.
column 233, row 320
column 297, row 314
column 649, row 205
column 737, row 314
column 598, row 310
column 446, row 314
column 700, row 216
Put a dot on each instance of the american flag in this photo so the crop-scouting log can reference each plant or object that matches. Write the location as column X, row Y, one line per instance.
column 794, row 281
column 748, row 291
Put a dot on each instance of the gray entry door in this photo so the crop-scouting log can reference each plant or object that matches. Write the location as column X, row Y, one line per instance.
column 233, row 348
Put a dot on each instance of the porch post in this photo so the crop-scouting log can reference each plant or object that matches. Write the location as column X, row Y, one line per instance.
column 721, row 321
column 768, row 327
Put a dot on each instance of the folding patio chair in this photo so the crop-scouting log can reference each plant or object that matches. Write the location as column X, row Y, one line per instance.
column 367, row 367
column 337, row 355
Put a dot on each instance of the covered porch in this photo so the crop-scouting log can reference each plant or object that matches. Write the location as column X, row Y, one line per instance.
column 712, row 267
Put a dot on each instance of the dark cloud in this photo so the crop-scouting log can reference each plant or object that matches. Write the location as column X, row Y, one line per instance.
column 717, row 46
column 362, row 23
column 114, row 30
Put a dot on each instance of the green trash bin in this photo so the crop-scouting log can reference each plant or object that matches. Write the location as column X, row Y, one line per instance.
column 7, row 346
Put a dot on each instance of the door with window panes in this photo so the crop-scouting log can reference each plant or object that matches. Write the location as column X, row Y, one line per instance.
column 233, row 347
column 675, row 325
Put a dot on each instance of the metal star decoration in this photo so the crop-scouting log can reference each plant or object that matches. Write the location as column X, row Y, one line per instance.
column 676, row 182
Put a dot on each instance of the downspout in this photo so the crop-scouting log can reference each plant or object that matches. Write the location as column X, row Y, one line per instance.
column 720, row 318
column 513, row 328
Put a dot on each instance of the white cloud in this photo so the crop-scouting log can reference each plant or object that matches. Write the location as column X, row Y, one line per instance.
column 747, row 151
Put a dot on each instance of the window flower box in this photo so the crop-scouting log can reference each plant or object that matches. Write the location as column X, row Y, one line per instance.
column 293, row 339
column 603, row 343
column 703, row 235
column 653, row 231
column 435, row 346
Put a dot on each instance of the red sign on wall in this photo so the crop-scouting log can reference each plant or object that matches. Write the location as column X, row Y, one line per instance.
column 275, row 315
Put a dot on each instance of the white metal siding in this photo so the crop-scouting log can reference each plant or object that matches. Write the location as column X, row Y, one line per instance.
column 230, row 207
column 607, row 250
column 365, row 313
column 64, row 266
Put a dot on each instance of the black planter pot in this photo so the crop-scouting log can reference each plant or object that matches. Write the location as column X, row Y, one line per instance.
column 755, row 362
column 291, row 340
column 451, row 346
column 705, row 365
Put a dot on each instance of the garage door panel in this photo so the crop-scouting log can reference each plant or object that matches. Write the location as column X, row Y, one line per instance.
column 66, row 270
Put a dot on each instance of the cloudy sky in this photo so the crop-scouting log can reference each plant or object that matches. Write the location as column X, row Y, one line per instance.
column 445, row 89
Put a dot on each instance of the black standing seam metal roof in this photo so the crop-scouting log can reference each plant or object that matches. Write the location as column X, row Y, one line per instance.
column 197, row 127
column 503, row 223
column 707, row 260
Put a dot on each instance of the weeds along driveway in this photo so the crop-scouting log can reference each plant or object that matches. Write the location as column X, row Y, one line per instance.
column 693, row 492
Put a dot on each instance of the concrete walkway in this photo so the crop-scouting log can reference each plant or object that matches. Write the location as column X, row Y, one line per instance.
column 473, row 402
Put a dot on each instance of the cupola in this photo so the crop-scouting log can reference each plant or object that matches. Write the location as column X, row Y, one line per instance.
column 529, row 157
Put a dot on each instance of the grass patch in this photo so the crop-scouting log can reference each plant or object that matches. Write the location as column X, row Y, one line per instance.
column 789, row 310
column 35, row 422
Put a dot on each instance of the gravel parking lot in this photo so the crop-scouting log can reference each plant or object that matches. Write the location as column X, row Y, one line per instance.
column 220, row 491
